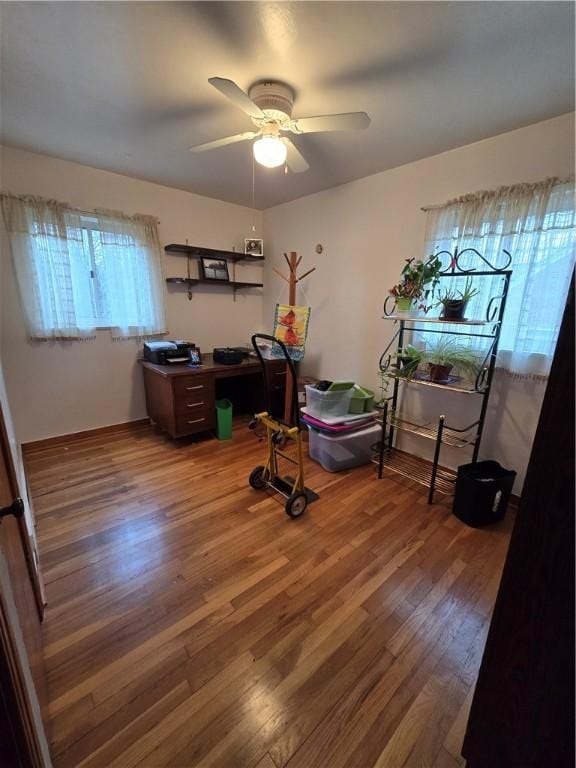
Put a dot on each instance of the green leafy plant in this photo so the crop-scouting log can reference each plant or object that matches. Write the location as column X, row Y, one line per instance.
column 418, row 278
column 446, row 354
column 384, row 386
column 409, row 359
column 455, row 296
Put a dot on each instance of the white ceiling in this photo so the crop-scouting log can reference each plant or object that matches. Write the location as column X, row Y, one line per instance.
column 123, row 86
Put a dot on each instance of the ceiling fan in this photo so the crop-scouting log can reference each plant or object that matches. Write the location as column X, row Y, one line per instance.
column 269, row 106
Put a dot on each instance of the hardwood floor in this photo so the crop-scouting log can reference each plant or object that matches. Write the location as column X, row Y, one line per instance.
column 192, row 623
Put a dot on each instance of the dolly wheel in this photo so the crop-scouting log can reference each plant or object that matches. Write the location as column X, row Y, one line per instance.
column 296, row 504
column 279, row 438
column 256, row 478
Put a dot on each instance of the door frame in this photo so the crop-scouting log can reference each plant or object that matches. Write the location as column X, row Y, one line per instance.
column 24, row 718
column 24, row 534
column 19, row 704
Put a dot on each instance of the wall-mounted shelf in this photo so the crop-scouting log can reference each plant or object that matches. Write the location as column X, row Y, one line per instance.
column 206, row 281
column 197, row 252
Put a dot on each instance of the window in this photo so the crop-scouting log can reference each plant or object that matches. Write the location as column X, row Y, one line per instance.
column 536, row 225
column 79, row 272
column 94, row 251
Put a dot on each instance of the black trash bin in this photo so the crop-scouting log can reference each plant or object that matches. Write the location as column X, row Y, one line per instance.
column 482, row 493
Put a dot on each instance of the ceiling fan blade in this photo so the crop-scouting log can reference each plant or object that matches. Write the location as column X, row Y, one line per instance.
column 233, row 92
column 226, row 140
column 294, row 158
column 348, row 121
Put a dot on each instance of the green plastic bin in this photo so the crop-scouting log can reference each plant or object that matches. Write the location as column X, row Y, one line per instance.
column 224, row 419
column 362, row 400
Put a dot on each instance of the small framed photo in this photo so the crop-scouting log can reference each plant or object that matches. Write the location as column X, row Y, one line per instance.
column 254, row 247
column 214, row 269
column 195, row 357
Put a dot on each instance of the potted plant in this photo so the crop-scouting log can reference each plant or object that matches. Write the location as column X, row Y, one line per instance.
column 409, row 359
column 417, row 279
column 405, row 296
column 454, row 301
column 445, row 355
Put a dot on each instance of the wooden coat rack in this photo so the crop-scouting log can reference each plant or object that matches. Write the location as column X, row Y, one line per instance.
column 293, row 264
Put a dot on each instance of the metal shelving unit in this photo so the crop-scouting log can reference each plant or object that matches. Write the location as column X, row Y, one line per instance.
column 432, row 474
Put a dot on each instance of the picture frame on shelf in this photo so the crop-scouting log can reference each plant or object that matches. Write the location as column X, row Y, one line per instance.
column 254, row 246
column 214, row 269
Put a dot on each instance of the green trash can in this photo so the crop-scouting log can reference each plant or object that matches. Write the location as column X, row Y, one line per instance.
column 224, row 419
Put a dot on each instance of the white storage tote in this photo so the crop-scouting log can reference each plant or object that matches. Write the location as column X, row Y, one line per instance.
column 343, row 450
column 331, row 404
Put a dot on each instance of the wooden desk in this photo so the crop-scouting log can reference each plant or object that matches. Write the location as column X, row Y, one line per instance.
column 182, row 400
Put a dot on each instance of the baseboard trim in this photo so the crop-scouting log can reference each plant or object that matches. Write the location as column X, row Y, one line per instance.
column 51, row 442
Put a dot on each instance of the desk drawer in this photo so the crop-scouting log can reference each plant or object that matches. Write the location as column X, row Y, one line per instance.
column 194, row 388
column 190, row 423
column 195, row 402
column 189, row 409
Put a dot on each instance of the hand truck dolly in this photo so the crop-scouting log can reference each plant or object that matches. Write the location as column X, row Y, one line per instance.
column 278, row 434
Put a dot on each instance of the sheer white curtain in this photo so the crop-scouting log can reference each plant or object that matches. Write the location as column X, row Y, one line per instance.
column 52, row 270
column 130, row 275
column 536, row 224
column 77, row 272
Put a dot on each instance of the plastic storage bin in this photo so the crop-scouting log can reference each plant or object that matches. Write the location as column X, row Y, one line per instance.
column 331, row 404
column 482, row 493
column 343, row 451
column 224, row 419
column 362, row 400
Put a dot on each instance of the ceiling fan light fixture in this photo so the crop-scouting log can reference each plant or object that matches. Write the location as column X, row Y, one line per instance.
column 269, row 105
column 270, row 151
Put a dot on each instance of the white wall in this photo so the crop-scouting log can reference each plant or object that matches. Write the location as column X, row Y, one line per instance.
column 368, row 227
column 63, row 387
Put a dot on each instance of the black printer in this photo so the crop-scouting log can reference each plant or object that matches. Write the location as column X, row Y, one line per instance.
column 167, row 352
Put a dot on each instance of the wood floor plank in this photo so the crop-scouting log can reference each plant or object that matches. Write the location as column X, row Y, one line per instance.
column 191, row 623
column 455, row 736
column 266, row 762
column 227, row 749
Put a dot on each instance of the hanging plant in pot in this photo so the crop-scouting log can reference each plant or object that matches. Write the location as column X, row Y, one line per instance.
column 446, row 355
column 453, row 302
column 418, row 278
